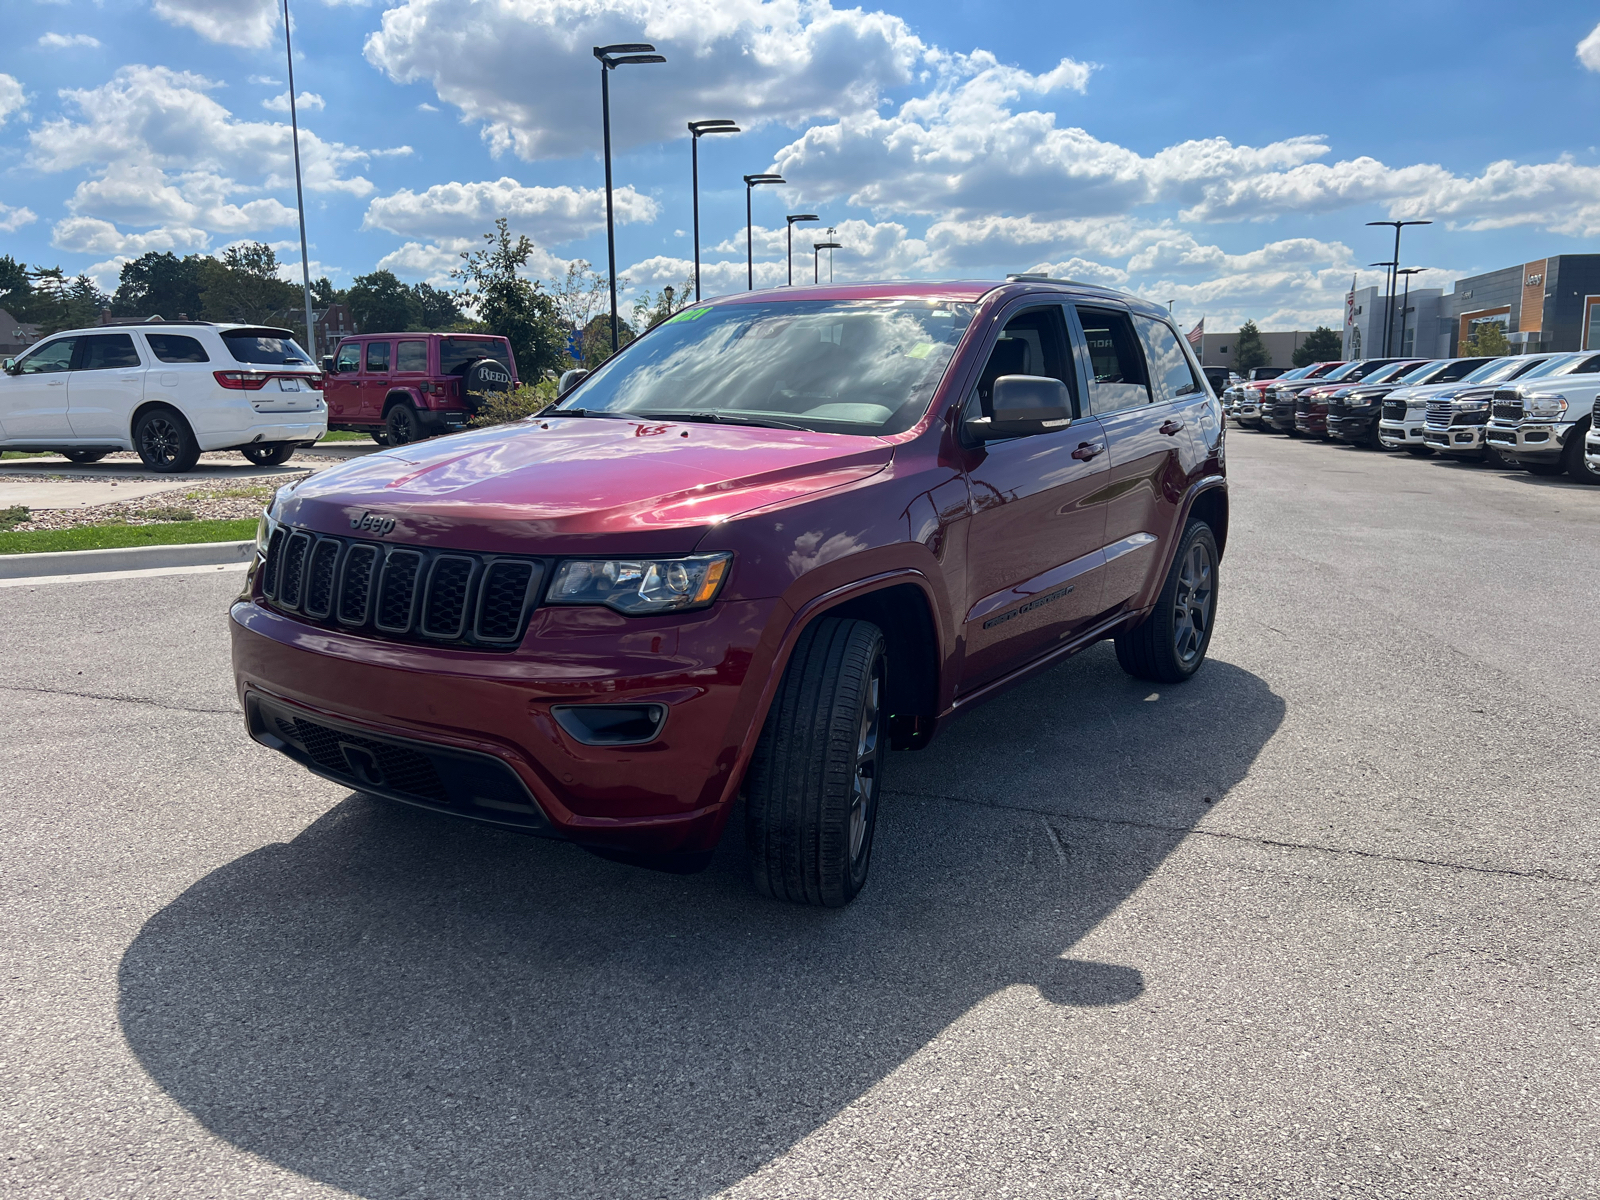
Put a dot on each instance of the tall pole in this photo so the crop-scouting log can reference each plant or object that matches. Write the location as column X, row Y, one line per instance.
column 1388, row 324
column 751, row 182
column 611, row 237
column 816, row 258
column 299, row 193
column 789, row 251
column 1405, row 304
column 696, row 130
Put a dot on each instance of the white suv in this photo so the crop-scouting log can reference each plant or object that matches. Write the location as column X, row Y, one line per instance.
column 166, row 389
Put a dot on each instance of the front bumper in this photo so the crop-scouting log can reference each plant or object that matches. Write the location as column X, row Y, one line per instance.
column 1529, row 441
column 1591, row 448
column 1458, row 439
column 482, row 720
column 1311, row 424
column 1352, row 427
column 1400, row 433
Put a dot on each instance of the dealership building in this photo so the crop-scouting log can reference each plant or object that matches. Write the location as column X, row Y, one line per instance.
column 1544, row 305
column 1217, row 349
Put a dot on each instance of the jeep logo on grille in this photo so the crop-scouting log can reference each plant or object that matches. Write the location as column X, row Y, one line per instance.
column 372, row 523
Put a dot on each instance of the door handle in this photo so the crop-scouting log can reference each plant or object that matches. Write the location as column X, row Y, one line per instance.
column 1171, row 428
column 1087, row 450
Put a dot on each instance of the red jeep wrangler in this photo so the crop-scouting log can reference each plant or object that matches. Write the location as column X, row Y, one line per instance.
column 402, row 387
column 778, row 535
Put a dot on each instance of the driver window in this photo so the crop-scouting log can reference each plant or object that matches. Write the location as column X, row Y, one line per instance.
column 1034, row 342
column 1117, row 375
column 57, row 356
column 349, row 357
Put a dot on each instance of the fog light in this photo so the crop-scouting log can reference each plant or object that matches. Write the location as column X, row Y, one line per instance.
column 611, row 724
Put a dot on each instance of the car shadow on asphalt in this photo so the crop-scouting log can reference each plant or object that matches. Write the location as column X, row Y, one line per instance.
column 398, row 1004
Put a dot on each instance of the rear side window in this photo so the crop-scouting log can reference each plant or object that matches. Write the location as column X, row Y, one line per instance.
column 378, row 356
column 106, row 351
column 175, row 348
column 1117, row 378
column 48, row 359
column 456, row 354
column 412, row 356
column 1171, row 375
column 349, row 357
column 264, row 346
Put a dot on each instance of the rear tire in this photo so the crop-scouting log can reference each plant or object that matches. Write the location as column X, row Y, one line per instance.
column 83, row 456
column 165, row 442
column 1170, row 644
column 269, row 454
column 403, row 425
column 811, row 794
column 1572, row 457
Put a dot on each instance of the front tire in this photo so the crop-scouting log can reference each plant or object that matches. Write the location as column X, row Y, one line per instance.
column 1572, row 457
column 1170, row 644
column 165, row 442
column 811, row 794
column 269, row 454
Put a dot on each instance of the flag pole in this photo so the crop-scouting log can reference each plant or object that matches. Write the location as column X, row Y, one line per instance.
column 299, row 194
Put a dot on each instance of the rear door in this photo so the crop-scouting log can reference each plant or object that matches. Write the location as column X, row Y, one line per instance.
column 1148, row 444
column 1037, row 521
column 33, row 402
column 106, row 385
column 375, row 380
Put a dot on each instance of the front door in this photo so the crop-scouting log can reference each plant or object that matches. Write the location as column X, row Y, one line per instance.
column 342, row 387
column 375, row 381
column 107, row 384
column 1034, row 543
column 1149, row 439
column 33, row 402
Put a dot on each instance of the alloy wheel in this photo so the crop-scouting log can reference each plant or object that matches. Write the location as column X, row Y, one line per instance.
column 1191, row 610
column 160, row 440
column 864, row 784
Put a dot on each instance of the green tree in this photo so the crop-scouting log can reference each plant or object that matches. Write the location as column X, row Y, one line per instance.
column 1321, row 345
column 1488, row 340
column 596, row 341
column 436, row 308
column 323, row 293
column 1248, row 350
column 649, row 311
column 243, row 285
column 380, row 303
column 160, row 285
column 16, row 293
column 509, row 304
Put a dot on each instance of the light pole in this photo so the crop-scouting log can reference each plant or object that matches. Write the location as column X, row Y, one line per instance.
column 612, row 57
column 299, row 195
column 1388, row 295
column 789, row 253
column 751, row 182
column 833, row 232
column 1388, row 325
column 1408, row 272
column 816, row 259
column 698, row 128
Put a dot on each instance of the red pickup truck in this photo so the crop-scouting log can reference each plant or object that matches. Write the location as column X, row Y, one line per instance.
column 778, row 535
column 401, row 387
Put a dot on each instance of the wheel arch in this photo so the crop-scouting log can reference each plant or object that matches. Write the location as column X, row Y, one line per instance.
column 150, row 406
column 1210, row 504
column 396, row 395
column 904, row 613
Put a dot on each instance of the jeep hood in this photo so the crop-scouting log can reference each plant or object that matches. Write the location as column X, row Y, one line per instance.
column 580, row 484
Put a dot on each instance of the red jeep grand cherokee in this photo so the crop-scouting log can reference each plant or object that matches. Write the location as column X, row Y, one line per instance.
column 775, row 537
column 403, row 387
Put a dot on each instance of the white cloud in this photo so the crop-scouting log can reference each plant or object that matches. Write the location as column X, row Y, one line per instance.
column 433, row 262
column 62, row 41
column 248, row 23
column 759, row 61
column 90, row 235
column 266, row 79
column 1589, row 50
column 13, row 219
column 1081, row 270
column 549, row 215
column 304, row 102
column 12, row 97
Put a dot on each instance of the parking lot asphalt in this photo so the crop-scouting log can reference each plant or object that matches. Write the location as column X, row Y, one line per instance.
column 1320, row 922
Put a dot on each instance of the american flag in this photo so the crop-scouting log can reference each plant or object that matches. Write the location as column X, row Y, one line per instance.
column 1197, row 334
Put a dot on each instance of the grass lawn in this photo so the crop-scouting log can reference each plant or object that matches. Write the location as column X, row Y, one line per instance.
column 107, row 537
column 343, row 435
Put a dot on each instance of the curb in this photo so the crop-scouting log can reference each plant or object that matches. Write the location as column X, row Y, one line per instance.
column 124, row 558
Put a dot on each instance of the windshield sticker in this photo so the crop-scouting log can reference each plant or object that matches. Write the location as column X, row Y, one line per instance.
column 688, row 314
column 920, row 350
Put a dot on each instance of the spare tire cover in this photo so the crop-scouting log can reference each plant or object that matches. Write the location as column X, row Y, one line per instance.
column 485, row 375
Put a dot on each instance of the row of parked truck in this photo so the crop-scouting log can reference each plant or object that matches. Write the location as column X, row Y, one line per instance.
column 1540, row 412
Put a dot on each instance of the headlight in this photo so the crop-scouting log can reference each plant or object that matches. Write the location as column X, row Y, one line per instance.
column 1471, row 405
column 1544, row 407
column 640, row 587
column 263, row 533
column 1416, row 404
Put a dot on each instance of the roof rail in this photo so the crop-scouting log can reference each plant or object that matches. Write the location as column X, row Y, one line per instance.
column 1041, row 277
column 158, row 320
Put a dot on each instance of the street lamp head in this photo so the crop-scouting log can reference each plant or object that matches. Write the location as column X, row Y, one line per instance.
column 635, row 58
column 1398, row 224
column 758, row 180
column 826, row 246
column 793, row 217
column 719, row 126
column 1411, row 270
column 623, row 53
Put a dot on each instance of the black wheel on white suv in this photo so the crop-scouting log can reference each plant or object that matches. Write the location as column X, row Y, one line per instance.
column 1572, row 457
column 269, row 454
column 403, row 425
column 83, row 456
column 811, row 794
column 164, row 441
column 1170, row 644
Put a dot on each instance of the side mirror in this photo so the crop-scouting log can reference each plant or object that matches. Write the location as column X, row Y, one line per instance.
column 1024, row 405
column 11, row 367
column 326, row 363
column 570, row 379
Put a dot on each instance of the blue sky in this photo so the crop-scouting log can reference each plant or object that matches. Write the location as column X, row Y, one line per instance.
column 1222, row 156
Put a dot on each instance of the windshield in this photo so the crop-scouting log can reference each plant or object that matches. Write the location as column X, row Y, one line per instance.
column 1495, row 371
column 264, row 346
column 1349, row 368
column 1297, row 373
column 846, row 366
column 1550, row 366
column 1391, row 372
column 1421, row 373
column 458, row 353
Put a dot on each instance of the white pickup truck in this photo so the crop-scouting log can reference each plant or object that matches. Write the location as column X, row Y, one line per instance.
column 1542, row 423
column 1405, row 410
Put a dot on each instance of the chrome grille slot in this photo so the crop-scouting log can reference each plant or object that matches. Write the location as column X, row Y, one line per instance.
column 1439, row 414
